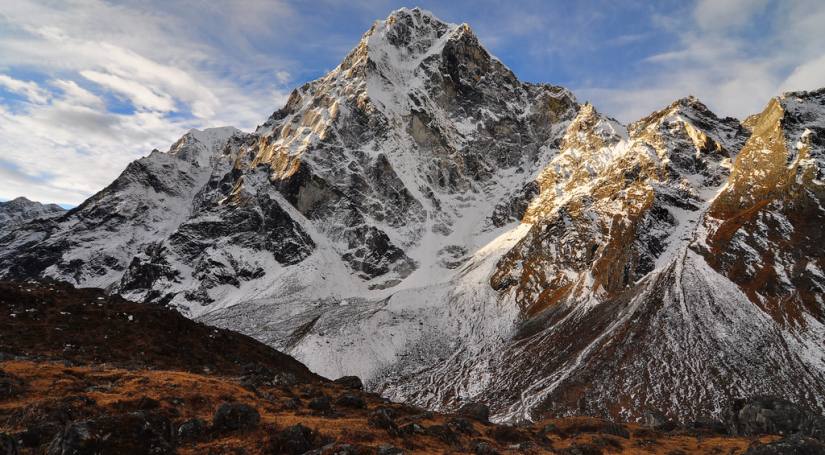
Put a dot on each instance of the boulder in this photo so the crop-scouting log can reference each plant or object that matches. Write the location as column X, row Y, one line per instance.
column 345, row 449
column 255, row 375
column 351, row 401
column 292, row 403
column 235, row 416
column 476, row 411
column 350, row 382
column 137, row 433
column 38, row 434
column 321, row 404
column 771, row 415
column 581, row 449
column 483, row 448
column 296, row 439
column 709, row 425
column 793, row 445
column 508, row 434
column 10, row 385
column 192, row 430
column 462, row 425
column 339, row 449
column 443, row 433
column 8, row 446
column 658, row 421
column 412, row 429
column 384, row 418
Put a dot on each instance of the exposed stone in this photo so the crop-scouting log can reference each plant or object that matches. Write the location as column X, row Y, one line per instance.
column 580, row 449
column 462, row 425
column 709, row 425
column 351, row 401
column 792, row 445
column 321, row 404
column 235, row 416
column 443, row 433
column 412, row 429
column 192, row 429
column 483, row 448
column 384, row 418
column 293, row 440
column 38, row 434
column 350, row 382
column 771, row 415
column 128, row 433
column 8, row 446
column 389, row 450
column 658, row 421
column 478, row 411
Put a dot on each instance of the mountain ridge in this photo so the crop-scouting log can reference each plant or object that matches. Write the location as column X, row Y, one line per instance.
column 20, row 210
column 421, row 218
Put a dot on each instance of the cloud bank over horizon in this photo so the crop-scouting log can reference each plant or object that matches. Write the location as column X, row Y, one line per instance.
column 86, row 86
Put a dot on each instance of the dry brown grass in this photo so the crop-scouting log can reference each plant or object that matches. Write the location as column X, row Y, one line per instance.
column 184, row 395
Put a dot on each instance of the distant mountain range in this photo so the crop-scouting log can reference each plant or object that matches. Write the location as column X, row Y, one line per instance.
column 20, row 210
column 421, row 218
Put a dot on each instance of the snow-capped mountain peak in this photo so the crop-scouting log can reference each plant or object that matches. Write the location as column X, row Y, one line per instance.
column 199, row 146
column 423, row 219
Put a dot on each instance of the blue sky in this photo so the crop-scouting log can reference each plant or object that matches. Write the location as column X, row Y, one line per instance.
column 88, row 85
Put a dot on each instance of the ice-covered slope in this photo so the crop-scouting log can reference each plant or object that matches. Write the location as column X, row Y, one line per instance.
column 423, row 219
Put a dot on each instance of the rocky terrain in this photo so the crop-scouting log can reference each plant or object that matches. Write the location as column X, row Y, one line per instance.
column 422, row 219
column 83, row 372
column 20, row 210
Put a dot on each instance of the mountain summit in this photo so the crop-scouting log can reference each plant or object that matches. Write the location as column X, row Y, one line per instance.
column 423, row 219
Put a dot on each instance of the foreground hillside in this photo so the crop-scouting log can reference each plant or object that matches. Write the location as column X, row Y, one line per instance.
column 82, row 372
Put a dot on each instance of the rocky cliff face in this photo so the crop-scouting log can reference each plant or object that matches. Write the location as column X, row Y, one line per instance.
column 423, row 219
column 765, row 226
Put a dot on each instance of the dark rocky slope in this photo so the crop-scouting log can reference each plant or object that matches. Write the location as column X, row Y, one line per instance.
column 86, row 373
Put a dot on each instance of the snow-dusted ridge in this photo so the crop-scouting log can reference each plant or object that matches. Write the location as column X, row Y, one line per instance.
column 20, row 210
column 423, row 219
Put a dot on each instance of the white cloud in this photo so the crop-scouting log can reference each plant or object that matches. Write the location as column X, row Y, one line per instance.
column 140, row 95
column 30, row 90
column 77, row 95
column 806, row 76
column 718, row 15
column 173, row 66
column 64, row 150
column 283, row 76
column 733, row 72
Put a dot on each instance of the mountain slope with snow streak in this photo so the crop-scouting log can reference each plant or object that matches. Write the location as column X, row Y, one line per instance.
column 423, row 219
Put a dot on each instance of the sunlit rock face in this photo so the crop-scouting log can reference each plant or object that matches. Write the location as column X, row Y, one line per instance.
column 766, row 231
column 610, row 201
column 421, row 218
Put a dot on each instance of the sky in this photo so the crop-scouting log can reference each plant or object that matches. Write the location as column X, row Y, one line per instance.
column 86, row 86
